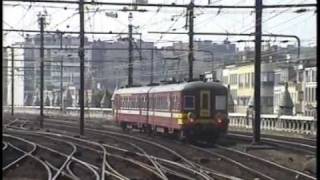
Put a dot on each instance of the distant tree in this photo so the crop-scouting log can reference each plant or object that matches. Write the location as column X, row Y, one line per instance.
column 47, row 102
column 106, row 100
column 68, row 99
column 97, row 97
column 29, row 100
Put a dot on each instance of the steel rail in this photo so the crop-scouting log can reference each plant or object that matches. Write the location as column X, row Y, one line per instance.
column 204, row 176
column 68, row 159
column 267, row 162
column 280, row 140
column 23, row 156
column 200, row 166
column 90, row 142
column 116, row 174
column 204, row 168
column 207, row 169
column 5, row 146
column 133, row 161
column 145, row 141
column 9, row 124
column 136, row 138
column 70, row 171
column 30, row 153
column 304, row 147
column 146, row 155
column 164, row 177
column 37, row 159
column 56, row 169
column 251, row 170
column 103, row 172
column 88, row 165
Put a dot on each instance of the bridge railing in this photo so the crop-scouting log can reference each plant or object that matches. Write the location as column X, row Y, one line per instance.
column 100, row 113
column 273, row 122
column 294, row 124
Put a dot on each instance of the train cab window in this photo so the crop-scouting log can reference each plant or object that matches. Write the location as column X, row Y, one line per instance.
column 189, row 102
column 221, row 102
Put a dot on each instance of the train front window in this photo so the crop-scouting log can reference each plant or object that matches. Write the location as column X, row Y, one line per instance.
column 189, row 102
column 221, row 102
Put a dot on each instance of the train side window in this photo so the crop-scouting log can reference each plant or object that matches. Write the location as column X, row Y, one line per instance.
column 189, row 102
column 144, row 104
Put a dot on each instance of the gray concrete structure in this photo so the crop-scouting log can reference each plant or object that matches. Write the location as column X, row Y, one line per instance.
column 52, row 75
column 286, row 104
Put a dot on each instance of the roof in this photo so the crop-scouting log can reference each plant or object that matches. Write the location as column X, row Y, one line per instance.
column 286, row 100
column 133, row 90
column 170, row 87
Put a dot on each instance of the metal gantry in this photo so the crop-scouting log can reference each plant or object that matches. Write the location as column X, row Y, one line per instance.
column 81, row 56
column 257, row 73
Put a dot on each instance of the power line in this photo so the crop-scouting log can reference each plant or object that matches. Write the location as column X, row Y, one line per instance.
column 168, row 5
column 64, row 32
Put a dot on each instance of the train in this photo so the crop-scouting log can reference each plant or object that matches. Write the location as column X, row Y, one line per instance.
column 192, row 111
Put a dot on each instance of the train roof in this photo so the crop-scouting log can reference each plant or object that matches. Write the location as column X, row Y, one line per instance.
column 170, row 87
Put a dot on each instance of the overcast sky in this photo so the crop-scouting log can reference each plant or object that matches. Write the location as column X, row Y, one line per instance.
column 65, row 17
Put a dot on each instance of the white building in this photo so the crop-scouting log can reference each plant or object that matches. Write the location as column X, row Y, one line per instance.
column 18, row 77
column 310, row 89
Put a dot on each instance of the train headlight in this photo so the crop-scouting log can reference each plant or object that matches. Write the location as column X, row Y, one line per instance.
column 191, row 117
column 220, row 118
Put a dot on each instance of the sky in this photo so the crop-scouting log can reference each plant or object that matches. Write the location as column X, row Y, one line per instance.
column 64, row 17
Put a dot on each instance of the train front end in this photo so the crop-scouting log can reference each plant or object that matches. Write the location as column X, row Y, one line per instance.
column 204, row 113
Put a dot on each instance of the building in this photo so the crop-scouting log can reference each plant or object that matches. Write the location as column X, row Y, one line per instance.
column 110, row 63
column 240, row 77
column 61, row 62
column 5, row 77
column 296, row 94
column 310, row 89
column 207, row 55
column 18, row 78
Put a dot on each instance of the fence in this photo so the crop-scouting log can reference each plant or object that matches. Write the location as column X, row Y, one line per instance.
column 293, row 124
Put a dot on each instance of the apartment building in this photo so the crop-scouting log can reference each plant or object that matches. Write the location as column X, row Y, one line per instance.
column 240, row 77
column 310, row 89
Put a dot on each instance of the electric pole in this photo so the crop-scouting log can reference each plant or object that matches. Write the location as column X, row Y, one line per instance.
column 151, row 77
column 12, row 81
column 41, row 23
column 130, row 68
column 61, row 84
column 257, row 72
column 81, row 56
column 190, row 54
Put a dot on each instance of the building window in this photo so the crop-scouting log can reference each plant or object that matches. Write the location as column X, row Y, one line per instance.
column 252, row 79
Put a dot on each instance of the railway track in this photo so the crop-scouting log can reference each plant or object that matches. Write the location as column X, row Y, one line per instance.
column 84, row 149
column 24, row 159
column 172, row 172
column 163, row 169
column 304, row 140
column 298, row 145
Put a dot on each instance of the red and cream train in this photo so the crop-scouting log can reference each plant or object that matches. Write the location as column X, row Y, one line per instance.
column 192, row 110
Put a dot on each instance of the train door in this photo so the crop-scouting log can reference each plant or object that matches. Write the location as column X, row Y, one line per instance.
column 205, row 103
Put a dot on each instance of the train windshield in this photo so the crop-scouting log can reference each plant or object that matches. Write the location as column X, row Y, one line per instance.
column 221, row 102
